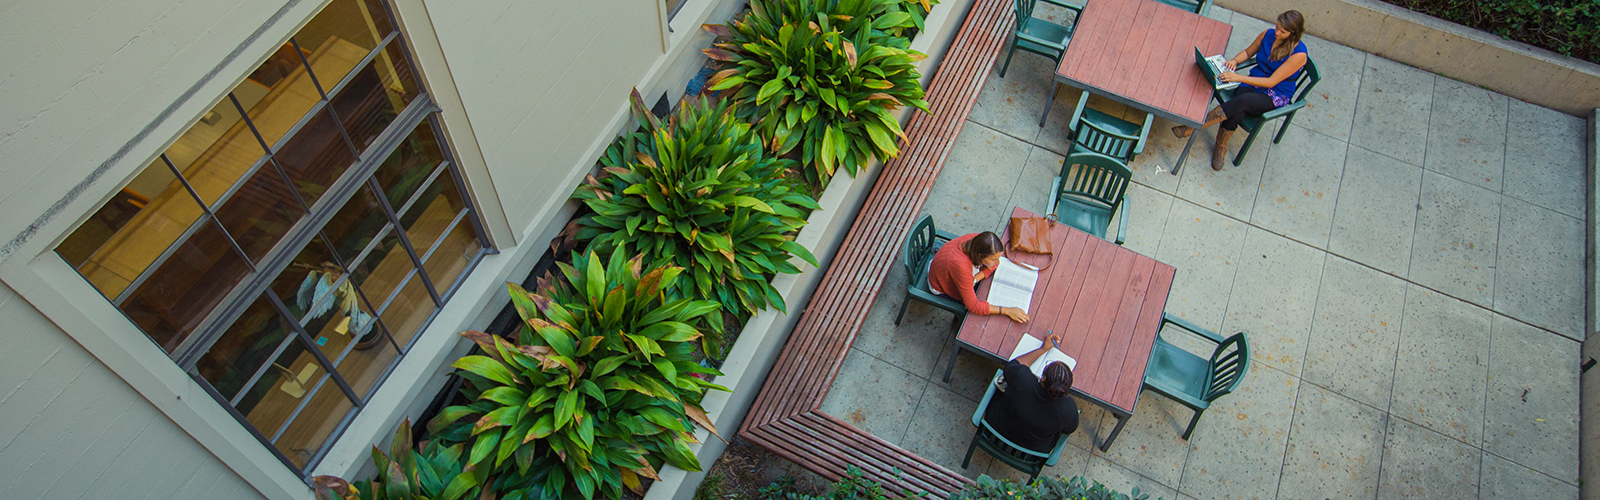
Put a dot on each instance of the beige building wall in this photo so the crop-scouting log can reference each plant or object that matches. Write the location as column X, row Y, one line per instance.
column 72, row 429
column 90, row 408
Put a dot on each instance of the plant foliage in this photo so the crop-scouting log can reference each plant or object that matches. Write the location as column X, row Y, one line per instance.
column 821, row 76
column 1570, row 27
column 598, row 390
column 698, row 192
column 853, row 486
column 1044, row 488
column 432, row 472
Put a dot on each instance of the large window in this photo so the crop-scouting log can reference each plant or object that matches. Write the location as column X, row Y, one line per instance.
column 289, row 246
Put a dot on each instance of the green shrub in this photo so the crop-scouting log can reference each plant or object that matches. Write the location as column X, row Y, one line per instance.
column 853, row 486
column 821, row 76
column 698, row 192
column 598, row 390
column 432, row 472
column 1045, row 488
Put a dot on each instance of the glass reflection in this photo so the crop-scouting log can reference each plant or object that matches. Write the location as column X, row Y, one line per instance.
column 375, row 96
column 189, row 284
column 243, row 351
column 316, row 156
column 409, row 166
column 131, row 230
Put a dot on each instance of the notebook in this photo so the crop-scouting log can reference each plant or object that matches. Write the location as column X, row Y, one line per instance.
column 1029, row 343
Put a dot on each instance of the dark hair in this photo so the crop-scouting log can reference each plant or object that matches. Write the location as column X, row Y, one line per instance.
column 1297, row 26
column 1057, row 380
column 981, row 246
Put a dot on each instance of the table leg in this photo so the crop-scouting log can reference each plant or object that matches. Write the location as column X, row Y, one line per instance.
column 1185, row 155
column 1048, row 103
column 955, row 350
column 1114, row 431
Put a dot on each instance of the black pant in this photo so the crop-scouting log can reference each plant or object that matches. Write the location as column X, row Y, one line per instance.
column 1252, row 103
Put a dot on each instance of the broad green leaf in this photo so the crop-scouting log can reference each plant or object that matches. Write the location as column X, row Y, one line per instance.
column 487, row 367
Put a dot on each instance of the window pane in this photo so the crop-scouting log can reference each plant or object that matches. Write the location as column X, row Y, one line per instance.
column 409, row 310
column 261, row 212
column 375, row 96
column 127, row 234
column 410, row 165
column 287, row 380
column 315, row 156
column 280, row 92
column 192, row 281
column 380, row 271
column 355, row 225
column 430, row 216
column 453, row 256
column 367, row 359
column 220, row 149
column 311, row 428
column 349, row 28
column 244, row 349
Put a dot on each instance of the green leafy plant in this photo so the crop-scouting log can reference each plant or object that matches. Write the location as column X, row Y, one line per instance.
column 853, row 486
column 901, row 20
column 1570, row 27
column 431, row 472
column 600, row 387
column 813, row 78
column 1044, row 488
column 699, row 192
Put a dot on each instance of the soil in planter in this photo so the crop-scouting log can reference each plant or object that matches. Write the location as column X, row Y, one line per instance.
column 744, row 469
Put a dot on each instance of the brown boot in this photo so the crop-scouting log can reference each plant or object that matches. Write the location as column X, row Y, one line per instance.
column 1212, row 118
column 1220, row 155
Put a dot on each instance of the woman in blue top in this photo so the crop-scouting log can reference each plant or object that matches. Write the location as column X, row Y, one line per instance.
column 1270, row 84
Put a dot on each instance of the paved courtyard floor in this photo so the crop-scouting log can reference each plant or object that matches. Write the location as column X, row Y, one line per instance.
column 1408, row 264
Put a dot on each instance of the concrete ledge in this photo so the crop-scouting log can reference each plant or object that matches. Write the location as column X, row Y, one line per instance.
column 1512, row 68
column 1589, row 382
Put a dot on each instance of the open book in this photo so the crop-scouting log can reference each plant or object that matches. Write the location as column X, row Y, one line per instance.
column 1029, row 343
column 1214, row 66
column 1013, row 285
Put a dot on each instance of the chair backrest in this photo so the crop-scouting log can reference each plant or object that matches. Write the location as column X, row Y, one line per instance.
column 1185, row 5
column 1096, row 177
column 1228, row 365
column 1024, row 10
column 1093, row 137
column 1309, row 76
column 918, row 248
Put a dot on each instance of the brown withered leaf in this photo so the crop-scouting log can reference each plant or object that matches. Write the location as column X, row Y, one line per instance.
column 699, row 416
column 721, row 30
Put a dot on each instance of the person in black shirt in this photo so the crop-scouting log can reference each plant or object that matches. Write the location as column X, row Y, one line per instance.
column 1033, row 411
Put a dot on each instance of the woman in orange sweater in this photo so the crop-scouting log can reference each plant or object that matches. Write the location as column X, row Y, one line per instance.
column 963, row 262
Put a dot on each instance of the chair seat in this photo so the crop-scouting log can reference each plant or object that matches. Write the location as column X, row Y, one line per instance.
column 1047, row 31
column 1083, row 215
column 1112, row 123
column 1177, row 374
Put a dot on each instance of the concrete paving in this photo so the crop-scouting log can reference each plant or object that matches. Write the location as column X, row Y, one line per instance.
column 1408, row 264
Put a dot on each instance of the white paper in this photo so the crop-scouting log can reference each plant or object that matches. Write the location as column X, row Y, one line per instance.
column 1013, row 285
column 1028, row 343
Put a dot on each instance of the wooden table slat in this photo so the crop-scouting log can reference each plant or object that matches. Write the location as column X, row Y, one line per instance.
column 1103, row 340
column 1144, row 337
column 1141, row 52
column 1114, row 358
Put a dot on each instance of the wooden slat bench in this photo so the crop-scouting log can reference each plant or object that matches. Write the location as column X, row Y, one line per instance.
column 786, row 418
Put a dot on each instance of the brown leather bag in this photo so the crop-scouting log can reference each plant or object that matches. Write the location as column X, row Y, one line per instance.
column 1032, row 235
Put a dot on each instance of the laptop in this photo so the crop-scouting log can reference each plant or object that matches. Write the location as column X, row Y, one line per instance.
column 1213, row 67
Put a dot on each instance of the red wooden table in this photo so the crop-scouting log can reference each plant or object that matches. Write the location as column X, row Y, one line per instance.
column 1141, row 53
column 1103, row 300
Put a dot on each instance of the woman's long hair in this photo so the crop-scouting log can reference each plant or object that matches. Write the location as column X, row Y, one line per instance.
column 1057, row 380
column 982, row 246
column 1297, row 27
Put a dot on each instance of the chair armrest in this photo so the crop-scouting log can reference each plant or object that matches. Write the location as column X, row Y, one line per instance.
column 1077, row 113
column 1144, row 133
column 1122, row 219
column 1075, row 7
column 1055, row 191
column 1287, row 109
column 1191, row 327
column 983, row 404
column 1061, row 444
column 1247, row 64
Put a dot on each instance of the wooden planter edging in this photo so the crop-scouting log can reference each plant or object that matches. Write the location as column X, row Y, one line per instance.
column 786, row 418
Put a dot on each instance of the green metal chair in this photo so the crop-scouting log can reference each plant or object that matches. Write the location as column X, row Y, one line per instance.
column 1308, row 78
column 1105, row 134
column 1201, row 7
column 1040, row 37
column 1192, row 380
column 997, row 446
column 1091, row 188
column 923, row 242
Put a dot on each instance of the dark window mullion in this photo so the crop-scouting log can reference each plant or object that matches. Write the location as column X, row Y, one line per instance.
column 209, row 213
column 309, row 72
column 405, row 241
column 423, row 189
column 271, row 157
column 461, row 189
column 445, row 234
column 311, row 346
